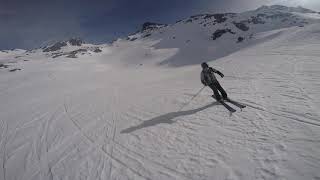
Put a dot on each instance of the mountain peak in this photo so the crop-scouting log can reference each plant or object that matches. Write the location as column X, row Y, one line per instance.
column 58, row 45
column 75, row 41
column 151, row 26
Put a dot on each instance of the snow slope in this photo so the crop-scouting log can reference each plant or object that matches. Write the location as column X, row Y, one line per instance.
column 115, row 114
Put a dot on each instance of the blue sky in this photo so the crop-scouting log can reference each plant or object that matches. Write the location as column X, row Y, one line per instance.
column 32, row 23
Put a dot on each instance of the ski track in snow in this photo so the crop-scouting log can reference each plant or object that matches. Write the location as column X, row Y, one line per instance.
column 68, row 120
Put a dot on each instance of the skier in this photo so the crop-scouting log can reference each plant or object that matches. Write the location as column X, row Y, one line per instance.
column 209, row 79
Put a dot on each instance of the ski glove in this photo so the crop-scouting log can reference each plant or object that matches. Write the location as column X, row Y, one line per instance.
column 204, row 83
column 220, row 74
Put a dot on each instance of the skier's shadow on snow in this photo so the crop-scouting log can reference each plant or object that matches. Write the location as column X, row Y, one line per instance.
column 166, row 118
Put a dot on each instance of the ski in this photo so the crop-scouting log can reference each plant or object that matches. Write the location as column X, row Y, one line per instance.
column 235, row 103
column 225, row 105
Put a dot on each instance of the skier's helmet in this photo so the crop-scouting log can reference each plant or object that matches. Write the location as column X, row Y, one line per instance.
column 204, row 65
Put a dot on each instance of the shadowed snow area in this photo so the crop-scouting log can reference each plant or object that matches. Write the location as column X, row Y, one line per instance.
column 115, row 114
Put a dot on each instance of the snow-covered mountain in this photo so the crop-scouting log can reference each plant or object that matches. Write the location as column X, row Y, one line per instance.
column 73, row 110
column 71, row 48
column 217, row 35
column 214, row 35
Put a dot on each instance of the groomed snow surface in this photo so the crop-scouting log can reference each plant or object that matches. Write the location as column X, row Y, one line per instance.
column 115, row 115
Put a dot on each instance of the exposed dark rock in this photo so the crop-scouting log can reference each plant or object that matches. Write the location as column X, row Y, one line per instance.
column 151, row 26
column 256, row 20
column 57, row 46
column 242, row 26
column 3, row 66
column 73, row 54
column 189, row 21
column 15, row 69
column 134, row 33
column 240, row 39
column 208, row 16
column 218, row 33
column 219, row 18
column 75, row 41
column 97, row 50
column 55, row 55
column 133, row 39
column 147, row 35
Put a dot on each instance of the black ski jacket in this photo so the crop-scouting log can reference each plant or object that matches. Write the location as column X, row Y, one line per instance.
column 208, row 77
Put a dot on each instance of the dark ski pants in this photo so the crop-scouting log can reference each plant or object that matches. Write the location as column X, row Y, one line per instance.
column 216, row 87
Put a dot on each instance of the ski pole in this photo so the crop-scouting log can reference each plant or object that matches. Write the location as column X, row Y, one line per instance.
column 192, row 98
